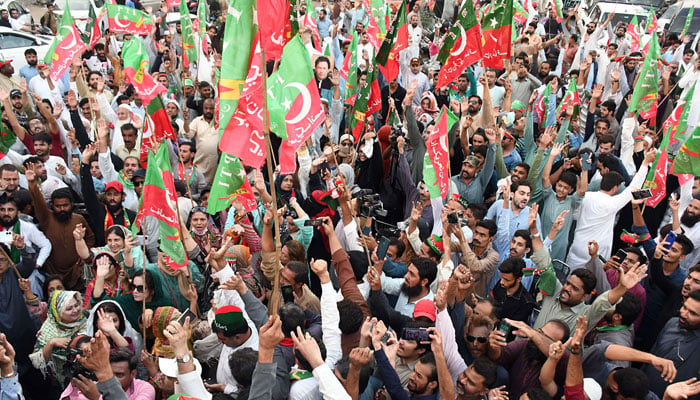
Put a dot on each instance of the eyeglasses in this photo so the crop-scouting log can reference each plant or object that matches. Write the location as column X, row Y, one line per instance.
column 346, row 144
column 473, row 102
column 199, row 209
column 138, row 288
column 480, row 339
column 138, row 183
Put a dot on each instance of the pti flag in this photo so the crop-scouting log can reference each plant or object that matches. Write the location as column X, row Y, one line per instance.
column 65, row 46
column 156, row 127
column 634, row 32
column 239, row 37
column 159, row 200
column 243, row 134
column 646, row 91
column 202, row 26
column 496, row 29
column 7, row 139
column 462, row 46
column 686, row 161
column 438, row 149
column 136, row 69
column 230, row 184
column 189, row 50
column 123, row 19
column 430, row 178
column 293, row 101
column 93, row 29
column 272, row 33
column 396, row 40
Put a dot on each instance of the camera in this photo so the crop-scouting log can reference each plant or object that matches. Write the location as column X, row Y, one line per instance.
column 72, row 368
column 290, row 212
column 370, row 204
column 453, row 218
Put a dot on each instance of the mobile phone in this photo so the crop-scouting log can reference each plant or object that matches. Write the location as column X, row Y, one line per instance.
column 382, row 246
column 670, row 239
column 313, row 222
column 586, row 161
column 140, row 239
column 504, row 327
column 184, row 316
column 641, row 194
column 6, row 237
column 287, row 294
column 416, row 334
column 621, row 255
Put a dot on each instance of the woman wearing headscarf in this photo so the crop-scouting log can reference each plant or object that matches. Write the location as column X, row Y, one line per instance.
column 346, row 153
column 428, row 110
column 203, row 230
column 285, row 185
column 65, row 320
column 121, row 246
column 109, row 317
column 108, row 278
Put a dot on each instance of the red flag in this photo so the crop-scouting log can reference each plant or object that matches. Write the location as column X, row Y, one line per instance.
column 65, row 47
column 657, row 182
column 396, row 40
column 272, row 32
column 243, row 135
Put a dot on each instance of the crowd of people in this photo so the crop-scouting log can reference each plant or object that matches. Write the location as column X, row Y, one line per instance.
column 543, row 273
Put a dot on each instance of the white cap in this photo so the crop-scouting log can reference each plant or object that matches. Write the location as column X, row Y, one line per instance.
column 591, row 388
column 168, row 366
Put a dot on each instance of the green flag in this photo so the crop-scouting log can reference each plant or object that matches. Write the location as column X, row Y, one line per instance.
column 349, row 71
column 7, row 139
column 230, row 184
column 202, row 17
column 239, row 34
column 159, row 200
column 189, row 50
column 688, row 19
column 430, row 178
column 646, row 91
column 686, row 161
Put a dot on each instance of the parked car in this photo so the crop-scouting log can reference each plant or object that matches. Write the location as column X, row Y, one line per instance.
column 79, row 10
column 678, row 21
column 623, row 12
column 668, row 15
column 14, row 43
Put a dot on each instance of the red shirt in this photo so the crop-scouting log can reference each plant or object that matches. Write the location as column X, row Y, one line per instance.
column 56, row 147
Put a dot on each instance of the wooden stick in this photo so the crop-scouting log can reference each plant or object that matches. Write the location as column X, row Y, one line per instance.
column 187, row 181
column 12, row 263
column 143, row 302
column 274, row 301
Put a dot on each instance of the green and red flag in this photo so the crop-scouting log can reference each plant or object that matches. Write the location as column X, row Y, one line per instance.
column 396, row 40
column 136, row 69
column 123, row 19
column 293, row 102
column 273, row 33
column 309, row 21
column 686, row 161
column 291, row 27
column 438, row 149
column 7, row 139
column 349, row 72
column 570, row 98
column 360, row 108
column 393, row 118
column 374, row 34
column 542, row 106
column 520, row 15
column 430, row 178
column 646, row 90
column 202, row 26
column 686, row 25
column 159, row 200
column 239, row 37
column 66, row 45
column 658, row 171
column 93, row 29
column 652, row 22
column 676, row 124
column 230, row 184
column 462, row 46
column 558, row 6
column 496, row 29
column 156, row 127
column 243, row 135
column 634, row 32
column 379, row 9
column 189, row 48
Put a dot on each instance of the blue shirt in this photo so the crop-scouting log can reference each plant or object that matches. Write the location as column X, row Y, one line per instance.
column 10, row 389
column 28, row 72
column 512, row 159
column 324, row 27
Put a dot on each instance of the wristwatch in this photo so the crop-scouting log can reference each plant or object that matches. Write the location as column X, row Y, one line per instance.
column 185, row 359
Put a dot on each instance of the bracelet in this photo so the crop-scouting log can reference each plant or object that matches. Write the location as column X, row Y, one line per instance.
column 536, row 235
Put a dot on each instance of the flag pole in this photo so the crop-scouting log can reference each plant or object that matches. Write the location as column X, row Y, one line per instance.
column 274, row 300
column 143, row 301
column 12, row 263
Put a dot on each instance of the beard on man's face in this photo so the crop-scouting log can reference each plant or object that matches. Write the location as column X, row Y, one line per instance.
column 7, row 222
column 689, row 220
column 62, row 216
column 410, row 291
column 533, row 353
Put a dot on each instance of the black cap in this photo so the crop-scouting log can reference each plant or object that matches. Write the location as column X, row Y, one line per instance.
column 15, row 92
column 141, row 173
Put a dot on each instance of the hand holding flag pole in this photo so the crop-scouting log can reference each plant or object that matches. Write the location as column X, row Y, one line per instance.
column 274, row 301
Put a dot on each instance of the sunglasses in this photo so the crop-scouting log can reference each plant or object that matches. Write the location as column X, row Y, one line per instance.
column 480, row 339
column 138, row 288
column 199, row 209
column 138, row 183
